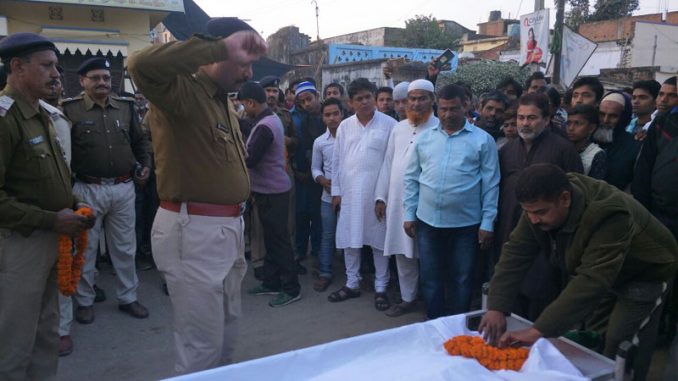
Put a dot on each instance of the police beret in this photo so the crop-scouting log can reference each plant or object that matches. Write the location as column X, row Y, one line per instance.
column 269, row 81
column 94, row 63
column 21, row 44
column 252, row 90
column 223, row 27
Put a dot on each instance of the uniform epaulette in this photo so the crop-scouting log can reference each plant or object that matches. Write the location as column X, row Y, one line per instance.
column 6, row 103
column 123, row 99
column 69, row 100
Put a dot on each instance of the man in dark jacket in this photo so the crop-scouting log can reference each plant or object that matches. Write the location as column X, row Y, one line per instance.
column 614, row 114
column 615, row 262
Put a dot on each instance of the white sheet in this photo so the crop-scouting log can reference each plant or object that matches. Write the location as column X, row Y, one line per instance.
column 413, row 352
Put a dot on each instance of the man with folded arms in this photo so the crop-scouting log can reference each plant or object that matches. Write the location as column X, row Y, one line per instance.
column 197, row 235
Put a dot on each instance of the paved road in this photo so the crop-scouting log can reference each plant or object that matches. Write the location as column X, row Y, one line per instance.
column 119, row 347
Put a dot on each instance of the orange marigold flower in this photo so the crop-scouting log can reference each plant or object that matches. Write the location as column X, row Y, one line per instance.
column 69, row 268
column 488, row 356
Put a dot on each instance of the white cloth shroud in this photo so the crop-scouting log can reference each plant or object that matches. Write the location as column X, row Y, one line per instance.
column 412, row 352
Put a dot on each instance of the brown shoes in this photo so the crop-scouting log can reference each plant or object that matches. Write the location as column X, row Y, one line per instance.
column 135, row 309
column 401, row 308
column 84, row 314
column 65, row 346
column 321, row 284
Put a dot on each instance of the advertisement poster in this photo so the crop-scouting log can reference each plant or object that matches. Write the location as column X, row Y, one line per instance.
column 534, row 37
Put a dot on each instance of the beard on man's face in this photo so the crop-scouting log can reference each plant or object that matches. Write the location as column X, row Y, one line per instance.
column 603, row 135
column 417, row 117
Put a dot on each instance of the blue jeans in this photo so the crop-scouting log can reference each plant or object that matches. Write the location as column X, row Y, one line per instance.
column 327, row 242
column 447, row 256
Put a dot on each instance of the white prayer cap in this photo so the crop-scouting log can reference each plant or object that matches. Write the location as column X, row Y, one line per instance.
column 400, row 91
column 616, row 98
column 421, row 84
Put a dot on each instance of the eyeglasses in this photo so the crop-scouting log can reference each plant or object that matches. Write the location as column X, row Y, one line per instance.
column 97, row 78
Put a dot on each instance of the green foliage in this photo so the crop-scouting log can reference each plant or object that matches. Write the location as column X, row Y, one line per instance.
column 613, row 9
column 484, row 76
column 424, row 32
column 578, row 14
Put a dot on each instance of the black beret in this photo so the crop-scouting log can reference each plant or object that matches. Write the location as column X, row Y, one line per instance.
column 269, row 81
column 21, row 44
column 223, row 27
column 252, row 90
column 94, row 63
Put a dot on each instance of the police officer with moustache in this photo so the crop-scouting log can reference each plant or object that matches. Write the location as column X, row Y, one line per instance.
column 36, row 205
column 109, row 152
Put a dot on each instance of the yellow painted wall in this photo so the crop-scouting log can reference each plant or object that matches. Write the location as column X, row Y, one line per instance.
column 134, row 25
column 480, row 45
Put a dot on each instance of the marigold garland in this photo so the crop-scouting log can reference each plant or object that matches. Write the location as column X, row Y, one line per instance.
column 490, row 357
column 69, row 267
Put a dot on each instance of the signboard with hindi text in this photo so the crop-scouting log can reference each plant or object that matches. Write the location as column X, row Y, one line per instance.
column 534, row 37
column 154, row 5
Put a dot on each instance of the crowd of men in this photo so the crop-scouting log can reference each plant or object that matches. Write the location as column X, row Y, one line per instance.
column 566, row 203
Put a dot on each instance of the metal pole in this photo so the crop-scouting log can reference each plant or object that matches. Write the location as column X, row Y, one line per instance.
column 317, row 22
column 654, row 49
column 558, row 41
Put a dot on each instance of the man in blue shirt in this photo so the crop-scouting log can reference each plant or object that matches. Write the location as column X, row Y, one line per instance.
column 451, row 192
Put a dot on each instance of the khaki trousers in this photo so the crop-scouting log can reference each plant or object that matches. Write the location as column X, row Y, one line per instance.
column 203, row 262
column 28, row 306
column 113, row 206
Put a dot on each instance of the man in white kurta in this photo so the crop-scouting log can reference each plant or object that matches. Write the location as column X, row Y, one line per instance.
column 358, row 154
column 389, row 192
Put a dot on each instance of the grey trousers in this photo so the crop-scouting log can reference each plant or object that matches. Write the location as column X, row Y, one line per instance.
column 114, row 207
column 28, row 306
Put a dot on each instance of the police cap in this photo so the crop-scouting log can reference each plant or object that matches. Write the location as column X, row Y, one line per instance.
column 94, row 63
column 22, row 44
column 252, row 90
column 269, row 81
column 223, row 27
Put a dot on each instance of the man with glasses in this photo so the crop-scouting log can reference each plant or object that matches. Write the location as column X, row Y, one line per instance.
column 109, row 151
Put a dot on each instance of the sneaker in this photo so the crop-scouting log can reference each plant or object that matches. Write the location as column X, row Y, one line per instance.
column 283, row 299
column 261, row 290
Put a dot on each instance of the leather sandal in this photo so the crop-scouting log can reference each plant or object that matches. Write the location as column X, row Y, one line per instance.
column 381, row 301
column 342, row 294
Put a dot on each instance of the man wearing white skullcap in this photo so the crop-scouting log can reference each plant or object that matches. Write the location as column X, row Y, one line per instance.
column 614, row 114
column 400, row 99
column 389, row 191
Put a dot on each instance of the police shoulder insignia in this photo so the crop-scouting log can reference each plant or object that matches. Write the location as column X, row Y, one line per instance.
column 6, row 103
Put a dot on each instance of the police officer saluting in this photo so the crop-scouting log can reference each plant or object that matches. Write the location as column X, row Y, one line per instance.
column 36, row 204
column 107, row 143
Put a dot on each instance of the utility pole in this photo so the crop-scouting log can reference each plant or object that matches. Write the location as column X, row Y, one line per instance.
column 557, row 44
column 317, row 23
column 538, row 5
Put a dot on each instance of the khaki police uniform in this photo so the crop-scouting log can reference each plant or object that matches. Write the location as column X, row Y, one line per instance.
column 200, row 167
column 35, row 183
column 107, row 142
column 62, row 127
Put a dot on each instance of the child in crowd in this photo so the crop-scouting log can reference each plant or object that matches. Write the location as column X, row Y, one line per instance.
column 582, row 121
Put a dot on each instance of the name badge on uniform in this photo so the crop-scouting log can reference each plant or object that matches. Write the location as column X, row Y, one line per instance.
column 36, row 140
column 86, row 123
column 223, row 128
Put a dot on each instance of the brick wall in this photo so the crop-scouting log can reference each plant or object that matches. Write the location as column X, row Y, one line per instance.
column 611, row 30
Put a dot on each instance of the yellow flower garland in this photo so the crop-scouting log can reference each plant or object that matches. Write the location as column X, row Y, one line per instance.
column 69, row 267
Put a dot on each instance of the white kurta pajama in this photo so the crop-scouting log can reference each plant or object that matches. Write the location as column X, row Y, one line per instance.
column 358, row 155
column 390, row 189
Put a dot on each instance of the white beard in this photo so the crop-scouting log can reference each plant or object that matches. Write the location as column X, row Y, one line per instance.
column 529, row 136
column 603, row 135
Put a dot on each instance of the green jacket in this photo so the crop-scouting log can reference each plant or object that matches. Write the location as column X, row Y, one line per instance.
column 608, row 240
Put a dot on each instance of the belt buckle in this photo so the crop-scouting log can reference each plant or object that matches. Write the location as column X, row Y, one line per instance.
column 107, row 181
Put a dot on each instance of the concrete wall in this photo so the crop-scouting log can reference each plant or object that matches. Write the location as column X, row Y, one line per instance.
column 344, row 74
column 372, row 37
column 286, row 41
column 126, row 25
column 643, row 49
